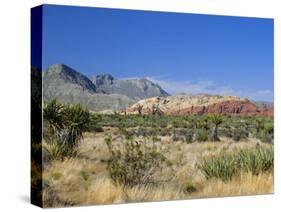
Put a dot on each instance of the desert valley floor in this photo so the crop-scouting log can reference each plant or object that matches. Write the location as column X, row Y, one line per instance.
column 85, row 179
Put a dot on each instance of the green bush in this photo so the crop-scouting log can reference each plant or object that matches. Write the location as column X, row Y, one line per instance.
column 177, row 137
column 189, row 136
column 133, row 163
column 239, row 133
column 222, row 167
column 227, row 132
column 76, row 121
column 190, row 188
column 66, row 124
column 266, row 135
column 256, row 161
column 57, row 151
column 201, row 135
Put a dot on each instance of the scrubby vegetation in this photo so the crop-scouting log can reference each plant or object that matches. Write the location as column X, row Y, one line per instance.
column 133, row 163
column 94, row 158
column 256, row 161
column 65, row 126
column 194, row 128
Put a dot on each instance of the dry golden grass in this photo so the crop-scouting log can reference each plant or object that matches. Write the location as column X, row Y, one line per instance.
column 244, row 184
column 103, row 191
column 85, row 180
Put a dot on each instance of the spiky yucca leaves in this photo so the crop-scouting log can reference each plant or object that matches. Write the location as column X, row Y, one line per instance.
column 264, row 129
column 76, row 120
column 66, row 123
column 259, row 122
column 201, row 135
column 53, row 115
column 256, row 161
column 202, row 123
column 56, row 151
column 222, row 167
column 267, row 134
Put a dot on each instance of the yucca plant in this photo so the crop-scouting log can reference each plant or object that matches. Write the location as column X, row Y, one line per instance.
column 76, row 120
column 259, row 122
column 269, row 128
column 221, row 167
column 52, row 114
column 216, row 120
column 66, row 124
column 202, row 123
column 56, row 151
column 267, row 134
column 257, row 161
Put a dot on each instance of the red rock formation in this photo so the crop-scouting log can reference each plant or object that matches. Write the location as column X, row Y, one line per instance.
column 201, row 104
column 227, row 108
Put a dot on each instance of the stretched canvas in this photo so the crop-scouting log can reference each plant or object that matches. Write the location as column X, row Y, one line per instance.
column 134, row 106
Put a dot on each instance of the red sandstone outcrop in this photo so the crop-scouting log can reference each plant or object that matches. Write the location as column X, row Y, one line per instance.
column 200, row 105
column 227, row 108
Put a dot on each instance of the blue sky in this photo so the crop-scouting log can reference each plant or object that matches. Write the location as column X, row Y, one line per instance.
column 181, row 52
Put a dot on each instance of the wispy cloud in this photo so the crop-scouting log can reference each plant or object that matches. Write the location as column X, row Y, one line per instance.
column 210, row 87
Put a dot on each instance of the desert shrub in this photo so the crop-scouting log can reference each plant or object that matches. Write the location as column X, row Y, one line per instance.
column 66, row 124
column 53, row 115
column 201, row 123
column 259, row 124
column 127, row 133
column 155, row 138
column 266, row 135
column 269, row 128
column 56, row 175
column 98, row 128
column 162, row 125
column 94, row 124
column 164, row 132
column 266, row 138
column 239, row 133
column 76, row 121
column 57, row 151
column 256, row 161
column 177, row 137
column 222, row 167
column 201, row 135
column 181, row 132
column 141, row 131
column 133, row 163
column 84, row 175
column 227, row 132
column 190, row 188
column 189, row 136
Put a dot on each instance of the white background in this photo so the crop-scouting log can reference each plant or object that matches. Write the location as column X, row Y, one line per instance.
column 15, row 98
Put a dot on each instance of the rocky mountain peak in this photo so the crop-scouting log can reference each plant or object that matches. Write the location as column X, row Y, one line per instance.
column 136, row 88
column 63, row 74
column 103, row 79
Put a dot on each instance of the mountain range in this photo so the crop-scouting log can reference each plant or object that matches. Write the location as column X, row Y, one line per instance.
column 104, row 93
column 135, row 89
